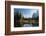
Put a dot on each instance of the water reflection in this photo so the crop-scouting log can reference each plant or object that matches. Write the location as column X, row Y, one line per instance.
column 30, row 25
column 27, row 25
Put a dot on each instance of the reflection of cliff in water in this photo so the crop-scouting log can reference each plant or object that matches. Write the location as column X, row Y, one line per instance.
column 20, row 21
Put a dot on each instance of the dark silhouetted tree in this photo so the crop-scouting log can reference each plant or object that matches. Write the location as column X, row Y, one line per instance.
column 17, row 18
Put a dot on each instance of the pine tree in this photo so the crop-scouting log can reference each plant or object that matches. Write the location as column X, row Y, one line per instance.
column 17, row 18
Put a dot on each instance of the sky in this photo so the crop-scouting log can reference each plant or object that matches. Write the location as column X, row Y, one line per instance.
column 27, row 13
